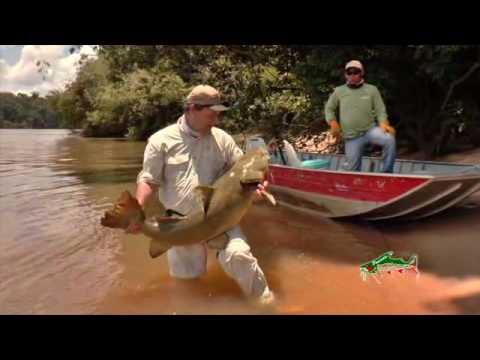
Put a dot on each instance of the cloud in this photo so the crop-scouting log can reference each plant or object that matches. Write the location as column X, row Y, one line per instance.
column 23, row 76
column 3, row 68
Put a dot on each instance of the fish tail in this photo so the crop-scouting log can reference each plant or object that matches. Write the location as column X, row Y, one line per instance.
column 413, row 259
column 125, row 211
column 413, row 262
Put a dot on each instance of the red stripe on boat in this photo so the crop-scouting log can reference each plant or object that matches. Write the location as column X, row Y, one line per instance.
column 359, row 186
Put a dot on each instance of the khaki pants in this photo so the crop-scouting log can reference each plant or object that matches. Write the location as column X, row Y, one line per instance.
column 189, row 262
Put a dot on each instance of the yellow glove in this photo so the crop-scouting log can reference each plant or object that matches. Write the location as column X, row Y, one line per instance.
column 385, row 125
column 335, row 128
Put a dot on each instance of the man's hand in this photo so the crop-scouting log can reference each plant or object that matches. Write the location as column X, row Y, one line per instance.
column 335, row 129
column 385, row 125
column 262, row 192
column 261, row 188
column 144, row 192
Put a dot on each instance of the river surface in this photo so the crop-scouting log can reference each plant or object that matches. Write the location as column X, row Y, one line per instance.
column 56, row 258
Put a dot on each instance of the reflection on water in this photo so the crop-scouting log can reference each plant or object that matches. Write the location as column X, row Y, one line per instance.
column 55, row 258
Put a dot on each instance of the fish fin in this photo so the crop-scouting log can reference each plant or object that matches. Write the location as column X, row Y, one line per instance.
column 171, row 216
column 171, row 213
column 157, row 248
column 413, row 259
column 384, row 255
column 169, row 219
column 205, row 194
column 110, row 220
column 125, row 210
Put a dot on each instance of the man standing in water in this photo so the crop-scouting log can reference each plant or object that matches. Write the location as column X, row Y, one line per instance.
column 180, row 157
column 359, row 104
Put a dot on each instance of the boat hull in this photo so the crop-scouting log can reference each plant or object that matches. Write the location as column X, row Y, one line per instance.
column 369, row 196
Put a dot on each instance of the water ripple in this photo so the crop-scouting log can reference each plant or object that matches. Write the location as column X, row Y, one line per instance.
column 54, row 255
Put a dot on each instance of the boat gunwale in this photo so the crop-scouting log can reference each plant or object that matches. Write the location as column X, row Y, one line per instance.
column 439, row 176
column 431, row 162
column 356, row 173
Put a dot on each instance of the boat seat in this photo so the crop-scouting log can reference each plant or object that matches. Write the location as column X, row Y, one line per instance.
column 316, row 164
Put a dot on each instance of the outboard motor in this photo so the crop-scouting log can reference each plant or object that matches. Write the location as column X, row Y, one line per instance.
column 291, row 155
column 254, row 142
column 283, row 153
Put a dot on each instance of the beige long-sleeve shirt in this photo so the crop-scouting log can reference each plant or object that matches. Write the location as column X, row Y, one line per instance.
column 178, row 159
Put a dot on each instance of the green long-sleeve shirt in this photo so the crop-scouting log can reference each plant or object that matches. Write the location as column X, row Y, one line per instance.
column 357, row 109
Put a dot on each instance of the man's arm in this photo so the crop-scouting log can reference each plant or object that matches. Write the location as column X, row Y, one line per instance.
column 379, row 106
column 149, row 179
column 233, row 152
column 381, row 113
column 151, row 175
column 331, row 108
column 144, row 192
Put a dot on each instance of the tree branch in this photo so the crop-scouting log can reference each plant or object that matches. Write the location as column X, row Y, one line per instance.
column 474, row 67
column 281, row 88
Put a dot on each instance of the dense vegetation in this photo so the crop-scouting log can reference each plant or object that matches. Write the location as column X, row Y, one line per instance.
column 24, row 111
column 430, row 91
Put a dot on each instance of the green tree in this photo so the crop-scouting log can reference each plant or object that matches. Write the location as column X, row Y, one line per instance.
column 24, row 111
column 430, row 91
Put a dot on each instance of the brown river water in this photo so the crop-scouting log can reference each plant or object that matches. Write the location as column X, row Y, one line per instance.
column 56, row 258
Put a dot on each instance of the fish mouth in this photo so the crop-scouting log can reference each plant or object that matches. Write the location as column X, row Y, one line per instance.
column 251, row 184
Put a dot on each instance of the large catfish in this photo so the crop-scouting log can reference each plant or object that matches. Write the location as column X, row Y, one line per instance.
column 222, row 207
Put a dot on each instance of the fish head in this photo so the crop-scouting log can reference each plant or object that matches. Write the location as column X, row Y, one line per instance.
column 253, row 168
column 125, row 211
column 369, row 267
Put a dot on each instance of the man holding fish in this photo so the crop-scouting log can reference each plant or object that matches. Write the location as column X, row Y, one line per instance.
column 177, row 160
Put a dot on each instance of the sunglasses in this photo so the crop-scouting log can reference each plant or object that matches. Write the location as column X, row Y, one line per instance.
column 200, row 107
column 353, row 72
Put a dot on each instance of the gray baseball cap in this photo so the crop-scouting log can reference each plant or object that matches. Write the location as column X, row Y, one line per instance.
column 206, row 95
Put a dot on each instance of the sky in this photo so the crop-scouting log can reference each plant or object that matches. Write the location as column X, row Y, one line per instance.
column 19, row 73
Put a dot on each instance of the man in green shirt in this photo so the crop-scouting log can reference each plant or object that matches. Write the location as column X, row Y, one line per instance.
column 357, row 105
